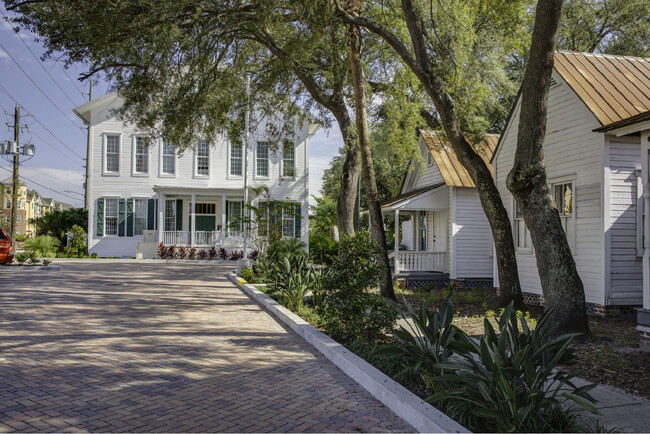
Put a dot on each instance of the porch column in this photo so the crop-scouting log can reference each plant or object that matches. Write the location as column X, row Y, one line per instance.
column 643, row 315
column 223, row 220
column 396, row 242
column 193, row 221
column 161, row 216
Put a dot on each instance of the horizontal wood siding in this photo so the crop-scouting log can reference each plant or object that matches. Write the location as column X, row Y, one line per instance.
column 473, row 241
column 430, row 175
column 571, row 149
column 626, row 272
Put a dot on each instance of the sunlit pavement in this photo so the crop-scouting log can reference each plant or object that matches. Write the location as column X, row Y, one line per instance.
column 124, row 346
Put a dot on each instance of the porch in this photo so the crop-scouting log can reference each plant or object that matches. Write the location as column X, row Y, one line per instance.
column 203, row 238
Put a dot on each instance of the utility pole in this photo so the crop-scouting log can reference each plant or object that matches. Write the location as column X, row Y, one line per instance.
column 15, row 184
column 88, row 144
column 246, row 137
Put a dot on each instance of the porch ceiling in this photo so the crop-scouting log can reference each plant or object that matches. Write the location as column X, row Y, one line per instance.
column 434, row 198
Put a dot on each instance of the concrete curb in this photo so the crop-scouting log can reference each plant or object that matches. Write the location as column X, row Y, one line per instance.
column 420, row 415
column 29, row 268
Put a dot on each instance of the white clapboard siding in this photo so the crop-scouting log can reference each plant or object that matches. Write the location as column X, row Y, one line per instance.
column 573, row 150
column 626, row 272
column 431, row 174
column 472, row 241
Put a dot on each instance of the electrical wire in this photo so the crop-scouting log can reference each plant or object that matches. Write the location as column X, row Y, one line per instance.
column 40, row 185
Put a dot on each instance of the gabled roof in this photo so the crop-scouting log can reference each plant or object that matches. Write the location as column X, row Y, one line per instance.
column 83, row 111
column 614, row 88
column 453, row 172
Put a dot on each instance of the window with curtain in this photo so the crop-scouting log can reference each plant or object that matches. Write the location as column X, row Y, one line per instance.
column 168, row 158
column 113, row 154
column 110, row 217
column 203, row 158
column 262, row 159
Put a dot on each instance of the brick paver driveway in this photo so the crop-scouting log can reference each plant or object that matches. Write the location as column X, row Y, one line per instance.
column 140, row 346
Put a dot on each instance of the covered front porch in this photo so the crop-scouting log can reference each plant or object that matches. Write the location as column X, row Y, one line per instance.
column 420, row 231
column 200, row 217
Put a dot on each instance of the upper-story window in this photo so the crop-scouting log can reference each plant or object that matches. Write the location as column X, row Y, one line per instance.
column 288, row 160
column 236, row 164
column 168, row 158
column 8, row 204
column 262, row 159
column 141, row 155
column 112, row 153
column 203, row 158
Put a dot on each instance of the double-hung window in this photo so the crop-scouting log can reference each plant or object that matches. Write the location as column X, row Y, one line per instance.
column 110, row 217
column 141, row 156
column 8, row 204
column 262, row 159
column 288, row 160
column 522, row 236
column 139, row 216
column 235, row 215
column 112, row 154
column 203, row 158
column 168, row 158
column 236, row 164
column 170, row 215
column 563, row 194
column 288, row 220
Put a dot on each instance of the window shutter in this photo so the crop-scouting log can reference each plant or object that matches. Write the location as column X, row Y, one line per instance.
column 156, row 215
column 100, row 217
column 179, row 214
column 129, row 217
column 225, row 226
column 298, row 218
column 121, row 219
column 151, row 214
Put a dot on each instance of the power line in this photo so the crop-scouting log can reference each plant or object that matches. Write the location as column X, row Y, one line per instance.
column 50, row 175
column 38, row 60
column 41, row 185
column 57, row 149
column 38, row 87
column 83, row 95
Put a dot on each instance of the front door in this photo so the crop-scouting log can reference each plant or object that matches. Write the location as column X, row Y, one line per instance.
column 440, row 231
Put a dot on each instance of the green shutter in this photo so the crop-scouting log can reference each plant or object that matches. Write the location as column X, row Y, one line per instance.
column 155, row 212
column 129, row 217
column 151, row 214
column 100, row 217
column 121, row 220
column 298, row 218
column 179, row 214
column 225, row 227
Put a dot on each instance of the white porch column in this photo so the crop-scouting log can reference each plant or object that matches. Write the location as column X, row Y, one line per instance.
column 223, row 220
column 161, row 216
column 193, row 221
column 396, row 242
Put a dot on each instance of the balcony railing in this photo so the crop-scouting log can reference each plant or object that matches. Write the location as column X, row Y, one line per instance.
column 419, row 261
column 203, row 238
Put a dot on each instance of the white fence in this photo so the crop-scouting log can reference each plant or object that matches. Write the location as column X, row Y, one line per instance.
column 419, row 261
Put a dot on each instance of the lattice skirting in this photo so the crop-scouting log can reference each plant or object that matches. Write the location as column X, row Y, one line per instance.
column 592, row 308
column 476, row 283
column 533, row 299
column 419, row 282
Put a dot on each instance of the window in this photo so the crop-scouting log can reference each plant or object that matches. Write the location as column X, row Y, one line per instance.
column 288, row 160
column 429, row 159
column 288, row 221
column 110, row 217
column 8, row 204
column 203, row 158
column 262, row 159
column 168, row 158
column 236, row 159
column 139, row 216
column 32, row 206
column 205, row 208
column 235, row 216
column 563, row 195
column 113, row 154
column 170, row 215
column 422, row 229
column 18, row 219
column 141, row 155
column 522, row 236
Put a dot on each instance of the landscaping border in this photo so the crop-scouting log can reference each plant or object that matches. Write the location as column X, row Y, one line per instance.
column 419, row 414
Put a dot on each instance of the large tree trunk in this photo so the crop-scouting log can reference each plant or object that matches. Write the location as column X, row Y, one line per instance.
column 346, row 203
column 372, row 196
column 527, row 181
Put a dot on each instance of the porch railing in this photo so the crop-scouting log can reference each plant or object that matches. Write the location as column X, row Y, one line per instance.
column 419, row 261
column 203, row 238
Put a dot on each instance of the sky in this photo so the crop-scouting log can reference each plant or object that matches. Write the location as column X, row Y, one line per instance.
column 47, row 93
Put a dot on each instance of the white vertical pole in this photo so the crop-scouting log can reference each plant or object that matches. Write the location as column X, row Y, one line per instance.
column 247, row 126
column 161, row 216
column 396, row 242
column 193, row 220
column 223, row 220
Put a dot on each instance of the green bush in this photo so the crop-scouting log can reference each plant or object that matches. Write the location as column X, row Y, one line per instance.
column 20, row 238
column 248, row 275
column 322, row 249
column 77, row 246
column 44, row 246
column 349, row 311
column 508, row 380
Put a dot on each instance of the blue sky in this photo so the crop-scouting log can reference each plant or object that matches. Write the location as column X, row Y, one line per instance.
column 47, row 94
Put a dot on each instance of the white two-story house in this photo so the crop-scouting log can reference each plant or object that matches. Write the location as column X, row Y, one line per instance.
column 138, row 184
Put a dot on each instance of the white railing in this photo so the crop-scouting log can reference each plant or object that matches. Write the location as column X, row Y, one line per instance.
column 176, row 238
column 207, row 238
column 203, row 238
column 419, row 261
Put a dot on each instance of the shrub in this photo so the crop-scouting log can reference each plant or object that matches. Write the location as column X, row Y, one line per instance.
column 253, row 255
column 21, row 258
column 47, row 262
column 94, row 256
column 162, row 251
column 236, row 254
column 248, row 275
column 212, row 253
column 509, row 380
column 191, row 254
column 349, row 311
column 33, row 260
column 203, row 254
column 171, row 252
column 77, row 246
column 44, row 246
column 20, row 238
column 223, row 254
column 182, row 252
column 322, row 249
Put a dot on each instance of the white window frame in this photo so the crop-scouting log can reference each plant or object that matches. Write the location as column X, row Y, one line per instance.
column 134, row 156
column 282, row 168
column 561, row 180
column 105, row 171
column 117, row 216
column 8, row 204
column 257, row 160
column 161, row 161
column 429, row 158
column 196, row 160
column 230, row 175
column 231, row 215
column 146, row 212
column 516, row 222
column 166, row 217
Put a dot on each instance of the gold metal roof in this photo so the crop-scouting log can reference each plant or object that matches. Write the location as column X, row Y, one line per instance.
column 453, row 172
column 614, row 88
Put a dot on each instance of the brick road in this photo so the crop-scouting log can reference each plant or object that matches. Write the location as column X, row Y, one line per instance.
column 125, row 346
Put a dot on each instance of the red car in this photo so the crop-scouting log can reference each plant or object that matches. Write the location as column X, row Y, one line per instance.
column 5, row 247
